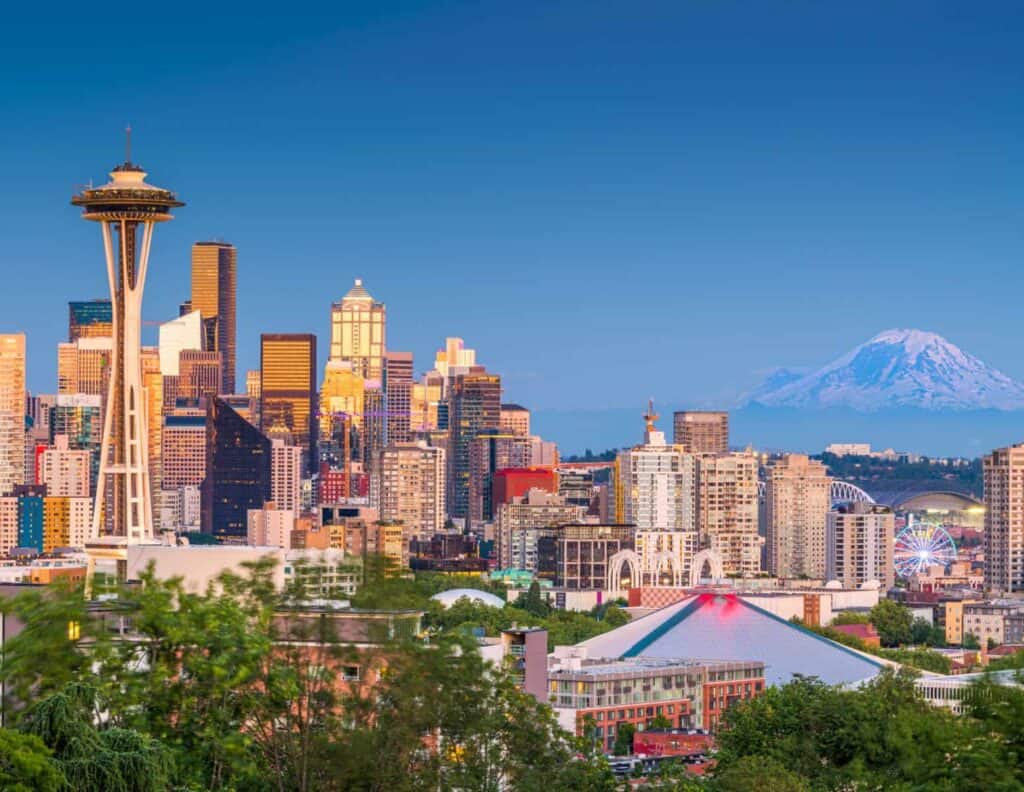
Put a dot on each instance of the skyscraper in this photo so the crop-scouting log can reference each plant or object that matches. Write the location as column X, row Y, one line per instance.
column 797, row 502
column 184, row 449
column 474, row 405
column 515, row 420
column 727, row 511
column 658, row 483
column 492, row 450
column 124, row 207
column 398, row 396
column 358, row 327
column 288, row 388
column 1004, row 519
column 90, row 319
column 12, row 411
column 65, row 471
column 859, row 540
column 411, row 481
column 286, row 475
column 83, row 365
column 701, row 432
column 237, row 472
column 214, row 287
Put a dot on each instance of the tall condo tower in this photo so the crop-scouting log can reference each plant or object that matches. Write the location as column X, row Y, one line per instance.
column 127, row 209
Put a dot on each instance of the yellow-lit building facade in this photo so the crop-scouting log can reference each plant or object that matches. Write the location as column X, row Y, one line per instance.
column 358, row 332
column 288, row 387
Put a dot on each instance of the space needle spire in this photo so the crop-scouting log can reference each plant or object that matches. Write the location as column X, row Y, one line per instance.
column 127, row 209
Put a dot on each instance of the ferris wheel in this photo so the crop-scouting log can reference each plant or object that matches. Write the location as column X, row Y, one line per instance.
column 922, row 545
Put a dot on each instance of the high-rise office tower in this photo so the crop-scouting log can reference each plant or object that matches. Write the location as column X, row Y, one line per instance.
column 797, row 503
column 425, row 402
column 371, row 432
column 184, row 449
column 658, row 483
column 1004, row 519
column 859, row 540
column 286, row 475
column 79, row 417
column 490, row 451
column 199, row 375
column 83, row 365
column 515, row 420
column 90, row 319
column 237, row 472
column 411, row 482
column 456, row 358
column 358, row 327
column 65, row 471
column 252, row 390
column 701, row 432
column 288, row 388
column 727, row 511
column 398, row 395
column 214, row 288
column 127, row 210
column 153, row 388
column 176, row 336
column 12, row 411
column 474, row 405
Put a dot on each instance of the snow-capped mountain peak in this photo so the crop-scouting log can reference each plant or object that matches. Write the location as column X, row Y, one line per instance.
column 899, row 368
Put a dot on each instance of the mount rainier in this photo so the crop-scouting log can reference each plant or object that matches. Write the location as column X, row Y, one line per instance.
column 895, row 369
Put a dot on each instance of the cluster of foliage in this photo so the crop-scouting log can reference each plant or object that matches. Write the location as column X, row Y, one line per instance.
column 917, row 657
column 865, row 470
column 386, row 586
column 564, row 627
column 880, row 736
column 213, row 691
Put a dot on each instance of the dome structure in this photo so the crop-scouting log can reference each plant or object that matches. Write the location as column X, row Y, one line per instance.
column 450, row 597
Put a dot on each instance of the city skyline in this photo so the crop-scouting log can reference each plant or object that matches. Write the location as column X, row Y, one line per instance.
column 838, row 178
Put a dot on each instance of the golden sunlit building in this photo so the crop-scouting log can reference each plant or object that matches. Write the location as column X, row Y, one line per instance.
column 358, row 332
column 341, row 396
column 214, row 287
column 424, row 398
column 288, row 387
column 12, row 411
column 83, row 365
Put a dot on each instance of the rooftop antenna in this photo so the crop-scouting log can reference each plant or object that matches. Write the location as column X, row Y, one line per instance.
column 650, row 416
column 128, row 143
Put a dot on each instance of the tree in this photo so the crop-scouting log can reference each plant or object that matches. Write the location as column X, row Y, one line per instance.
column 26, row 764
column 970, row 641
column 850, row 617
column 624, row 739
column 921, row 632
column 659, row 722
column 893, row 621
column 762, row 773
column 532, row 603
column 93, row 759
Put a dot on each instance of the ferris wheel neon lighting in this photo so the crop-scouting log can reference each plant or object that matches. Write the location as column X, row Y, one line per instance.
column 922, row 545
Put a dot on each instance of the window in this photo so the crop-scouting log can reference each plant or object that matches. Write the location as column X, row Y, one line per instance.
column 350, row 673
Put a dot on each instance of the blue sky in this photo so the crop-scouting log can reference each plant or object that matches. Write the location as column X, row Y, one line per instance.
column 609, row 200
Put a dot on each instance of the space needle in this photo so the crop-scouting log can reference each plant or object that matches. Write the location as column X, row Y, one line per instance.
column 127, row 209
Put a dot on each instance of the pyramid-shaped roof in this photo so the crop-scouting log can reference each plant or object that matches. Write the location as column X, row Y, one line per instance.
column 358, row 292
column 714, row 626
